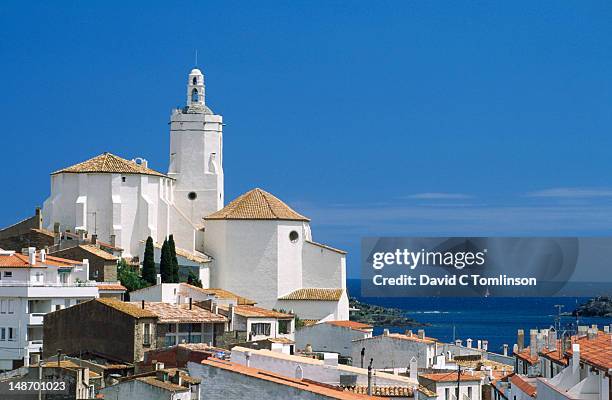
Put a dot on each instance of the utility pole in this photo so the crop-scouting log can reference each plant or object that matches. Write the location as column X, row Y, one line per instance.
column 458, row 381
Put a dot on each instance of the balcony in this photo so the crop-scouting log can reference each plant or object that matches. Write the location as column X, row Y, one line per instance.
column 35, row 318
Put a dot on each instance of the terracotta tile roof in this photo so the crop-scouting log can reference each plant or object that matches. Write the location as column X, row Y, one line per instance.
column 358, row 326
column 427, row 392
column 109, row 163
column 90, row 248
column 167, row 312
column 195, row 257
column 450, row 377
column 400, row 336
column 111, row 287
column 221, row 294
column 257, row 204
column 385, row 391
column 16, row 260
column 523, row 385
column 308, row 322
column 554, row 355
column 326, row 247
column 130, row 309
column 257, row 312
column 281, row 340
column 169, row 386
column 525, row 355
column 596, row 351
column 305, row 385
column 314, row 294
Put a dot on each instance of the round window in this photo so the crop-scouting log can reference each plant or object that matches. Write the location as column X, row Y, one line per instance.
column 293, row 236
column 192, row 196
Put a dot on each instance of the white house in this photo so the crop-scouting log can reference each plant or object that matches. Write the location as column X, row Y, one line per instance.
column 394, row 351
column 31, row 285
column 162, row 384
column 450, row 386
column 264, row 250
column 259, row 323
column 123, row 201
column 181, row 293
column 332, row 336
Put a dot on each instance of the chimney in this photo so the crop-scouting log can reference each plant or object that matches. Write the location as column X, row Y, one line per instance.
column 458, row 342
column 595, row 327
column 591, row 334
column 385, row 332
column 32, row 255
column 94, row 239
column 485, row 345
column 56, row 228
column 575, row 358
column 506, row 349
column 158, row 279
column 142, row 304
column 421, row 333
column 408, row 332
column 533, row 346
column 468, row 343
column 520, row 340
column 582, row 330
column 43, row 256
column 552, row 339
column 479, row 344
column 606, row 328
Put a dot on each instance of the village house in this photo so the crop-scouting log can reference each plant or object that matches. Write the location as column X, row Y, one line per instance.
column 327, row 370
column 227, row 380
column 393, row 351
column 33, row 284
column 332, row 336
column 450, row 386
column 113, row 290
column 102, row 264
column 180, row 293
column 587, row 375
column 256, row 323
column 161, row 384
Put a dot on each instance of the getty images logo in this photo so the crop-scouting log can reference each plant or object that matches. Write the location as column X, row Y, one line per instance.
column 412, row 259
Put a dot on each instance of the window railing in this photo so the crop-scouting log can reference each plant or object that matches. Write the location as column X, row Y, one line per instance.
column 46, row 284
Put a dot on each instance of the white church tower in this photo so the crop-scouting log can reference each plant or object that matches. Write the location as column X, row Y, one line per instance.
column 196, row 158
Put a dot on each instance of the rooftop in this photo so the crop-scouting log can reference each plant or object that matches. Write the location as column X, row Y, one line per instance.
column 257, row 312
column 451, row 377
column 596, row 351
column 10, row 259
column 320, row 294
column 111, row 287
column 127, row 308
column 525, row 355
column 522, row 383
column 257, row 204
column 306, row 385
column 354, row 325
column 220, row 293
column 382, row 391
column 90, row 248
column 109, row 163
column 168, row 313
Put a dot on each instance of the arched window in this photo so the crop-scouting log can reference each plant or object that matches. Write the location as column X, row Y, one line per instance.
column 195, row 81
column 194, row 96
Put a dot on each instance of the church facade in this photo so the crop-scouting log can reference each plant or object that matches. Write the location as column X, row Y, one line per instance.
column 259, row 247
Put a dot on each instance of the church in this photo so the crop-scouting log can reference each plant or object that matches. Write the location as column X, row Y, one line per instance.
column 257, row 245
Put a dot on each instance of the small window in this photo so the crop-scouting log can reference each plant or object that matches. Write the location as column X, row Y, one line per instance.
column 123, row 179
column 11, row 334
column 284, row 326
column 294, row 236
column 192, row 196
column 260, row 329
column 8, row 274
column 2, row 333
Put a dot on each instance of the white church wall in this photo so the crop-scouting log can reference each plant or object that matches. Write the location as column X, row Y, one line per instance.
column 246, row 258
column 323, row 268
column 289, row 256
column 319, row 310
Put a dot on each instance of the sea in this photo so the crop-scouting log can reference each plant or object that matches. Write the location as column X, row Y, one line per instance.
column 495, row 319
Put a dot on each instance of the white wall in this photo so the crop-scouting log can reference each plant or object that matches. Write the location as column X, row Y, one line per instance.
column 391, row 352
column 136, row 390
column 327, row 337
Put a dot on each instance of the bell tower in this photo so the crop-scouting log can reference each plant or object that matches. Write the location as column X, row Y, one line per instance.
column 196, row 158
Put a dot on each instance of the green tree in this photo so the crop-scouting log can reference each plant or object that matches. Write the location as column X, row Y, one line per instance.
column 165, row 263
column 129, row 277
column 192, row 279
column 175, row 266
column 148, row 264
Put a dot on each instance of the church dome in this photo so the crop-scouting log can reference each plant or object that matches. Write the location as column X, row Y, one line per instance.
column 196, row 71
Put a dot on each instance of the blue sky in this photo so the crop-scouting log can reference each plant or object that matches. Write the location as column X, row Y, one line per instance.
column 394, row 118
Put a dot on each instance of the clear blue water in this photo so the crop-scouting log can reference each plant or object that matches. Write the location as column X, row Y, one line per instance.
column 494, row 319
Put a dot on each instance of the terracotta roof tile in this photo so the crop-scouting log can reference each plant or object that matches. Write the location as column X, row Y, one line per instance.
column 90, row 248
column 167, row 312
column 596, row 351
column 358, row 326
column 305, row 385
column 109, row 163
column 525, row 355
column 169, row 386
column 126, row 308
column 257, row 204
column 450, row 377
column 102, row 286
column 314, row 294
column 14, row 259
column 523, row 385
column 220, row 293
column 386, row 391
column 257, row 312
